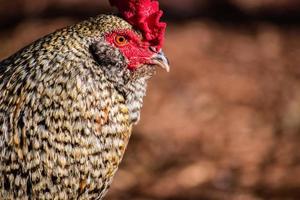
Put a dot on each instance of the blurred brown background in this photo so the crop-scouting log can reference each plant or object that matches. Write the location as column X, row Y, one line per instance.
column 225, row 123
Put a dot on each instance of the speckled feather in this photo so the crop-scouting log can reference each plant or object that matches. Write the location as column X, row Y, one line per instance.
column 66, row 113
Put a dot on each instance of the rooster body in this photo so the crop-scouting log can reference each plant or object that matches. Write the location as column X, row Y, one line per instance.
column 67, row 106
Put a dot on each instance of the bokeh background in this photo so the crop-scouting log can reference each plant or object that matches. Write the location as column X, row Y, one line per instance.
column 225, row 122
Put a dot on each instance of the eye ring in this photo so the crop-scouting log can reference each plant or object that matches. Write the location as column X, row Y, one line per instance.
column 121, row 40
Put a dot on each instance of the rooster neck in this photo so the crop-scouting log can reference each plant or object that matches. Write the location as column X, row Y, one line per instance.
column 136, row 91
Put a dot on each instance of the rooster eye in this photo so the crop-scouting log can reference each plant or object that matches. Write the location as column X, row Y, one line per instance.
column 120, row 40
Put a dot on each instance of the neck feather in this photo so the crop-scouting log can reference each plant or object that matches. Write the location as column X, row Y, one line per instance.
column 135, row 93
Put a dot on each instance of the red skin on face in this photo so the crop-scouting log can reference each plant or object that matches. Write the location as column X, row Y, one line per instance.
column 135, row 50
column 145, row 16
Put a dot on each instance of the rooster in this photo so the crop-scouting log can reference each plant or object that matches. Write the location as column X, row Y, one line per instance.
column 69, row 100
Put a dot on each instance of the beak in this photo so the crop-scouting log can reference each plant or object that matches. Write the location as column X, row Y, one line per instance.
column 161, row 60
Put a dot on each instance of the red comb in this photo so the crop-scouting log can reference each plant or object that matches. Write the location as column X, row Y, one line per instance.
column 144, row 15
